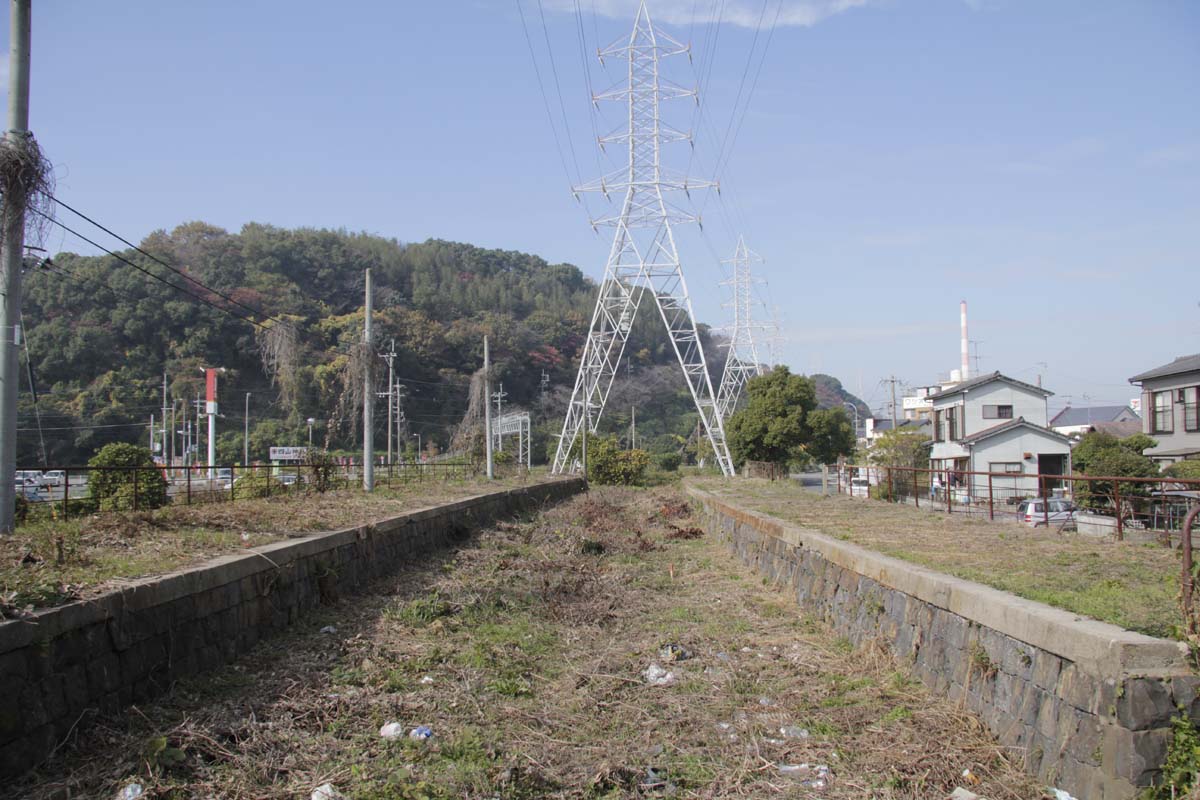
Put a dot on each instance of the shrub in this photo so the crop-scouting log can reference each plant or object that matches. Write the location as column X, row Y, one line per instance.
column 1184, row 470
column 258, row 483
column 129, row 465
column 669, row 462
column 609, row 464
column 21, row 512
column 323, row 470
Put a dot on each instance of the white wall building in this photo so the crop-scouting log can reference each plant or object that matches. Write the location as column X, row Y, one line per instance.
column 997, row 424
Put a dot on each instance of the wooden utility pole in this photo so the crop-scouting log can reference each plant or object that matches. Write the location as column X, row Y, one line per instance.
column 12, row 251
column 368, row 397
column 390, row 357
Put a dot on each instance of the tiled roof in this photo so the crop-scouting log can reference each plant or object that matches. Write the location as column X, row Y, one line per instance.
column 1182, row 364
column 966, row 386
column 1087, row 416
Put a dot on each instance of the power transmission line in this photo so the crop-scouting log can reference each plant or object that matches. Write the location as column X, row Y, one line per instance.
column 158, row 260
column 147, row 272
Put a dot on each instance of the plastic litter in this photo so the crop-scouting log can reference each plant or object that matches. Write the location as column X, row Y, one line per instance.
column 329, row 629
column 1059, row 794
column 325, row 792
column 130, row 792
column 794, row 732
column 392, row 730
column 766, row 701
column 960, row 793
column 775, row 741
column 657, row 676
column 421, row 733
column 656, row 781
column 674, row 652
column 427, row 679
column 970, row 777
column 813, row 776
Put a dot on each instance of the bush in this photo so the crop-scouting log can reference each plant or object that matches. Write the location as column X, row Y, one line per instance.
column 1184, row 470
column 323, row 470
column 669, row 462
column 128, row 465
column 609, row 464
column 258, row 483
column 21, row 512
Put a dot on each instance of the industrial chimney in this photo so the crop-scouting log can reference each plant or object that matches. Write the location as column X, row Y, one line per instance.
column 962, row 307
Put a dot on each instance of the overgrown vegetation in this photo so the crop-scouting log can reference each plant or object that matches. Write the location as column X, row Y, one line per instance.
column 1103, row 454
column 124, row 477
column 1182, row 766
column 1125, row 583
column 609, row 464
column 526, row 656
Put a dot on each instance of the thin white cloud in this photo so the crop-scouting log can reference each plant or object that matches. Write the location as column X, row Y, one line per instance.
column 742, row 13
column 1174, row 155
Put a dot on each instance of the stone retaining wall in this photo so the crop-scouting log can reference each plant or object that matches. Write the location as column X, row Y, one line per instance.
column 1084, row 704
column 62, row 665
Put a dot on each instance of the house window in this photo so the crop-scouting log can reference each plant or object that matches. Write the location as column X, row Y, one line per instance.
column 952, row 423
column 1163, row 412
column 1005, row 466
column 997, row 412
column 1191, row 413
column 937, row 426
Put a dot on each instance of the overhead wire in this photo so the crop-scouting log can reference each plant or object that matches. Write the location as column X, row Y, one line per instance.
column 149, row 273
column 157, row 260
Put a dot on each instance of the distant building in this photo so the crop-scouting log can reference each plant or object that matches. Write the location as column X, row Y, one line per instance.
column 994, row 423
column 1172, row 409
column 1077, row 421
column 876, row 427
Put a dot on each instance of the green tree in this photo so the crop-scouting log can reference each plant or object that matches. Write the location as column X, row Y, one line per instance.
column 773, row 425
column 1184, row 470
column 900, row 448
column 832, row 434
column 1105, row 455
column 117, row 469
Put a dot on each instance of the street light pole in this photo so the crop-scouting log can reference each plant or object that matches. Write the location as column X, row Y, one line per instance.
column 853, row 408
column 418, row 445
column 311, row 421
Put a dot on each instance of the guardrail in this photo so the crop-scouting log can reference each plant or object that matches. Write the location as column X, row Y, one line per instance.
column 71, row 491
column 1143, row 508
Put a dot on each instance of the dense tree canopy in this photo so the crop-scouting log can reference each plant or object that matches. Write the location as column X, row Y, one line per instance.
column 773, row 425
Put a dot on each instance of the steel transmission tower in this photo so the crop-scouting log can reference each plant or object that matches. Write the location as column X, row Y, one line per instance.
column 643, row 259
column 741, row 361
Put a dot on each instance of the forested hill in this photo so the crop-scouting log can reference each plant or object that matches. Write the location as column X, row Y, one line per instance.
column 101, row 335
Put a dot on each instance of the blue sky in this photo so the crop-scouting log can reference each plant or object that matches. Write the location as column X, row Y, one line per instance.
column 1039, row 159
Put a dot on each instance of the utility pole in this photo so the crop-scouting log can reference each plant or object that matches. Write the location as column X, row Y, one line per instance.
column 892, row 380
column 368, row 396
column 544, row 384
column 12, row 253
column 164, row 420
column 633, row 427
column 499, row 398
column 152, row 434
column 246, row 433
column 487, row 409
column 390, row 357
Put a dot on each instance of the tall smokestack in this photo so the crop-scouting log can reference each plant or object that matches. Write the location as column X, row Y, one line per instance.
column 962, row 307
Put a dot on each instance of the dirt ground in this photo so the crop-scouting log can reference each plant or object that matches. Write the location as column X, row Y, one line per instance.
column 1134, row 585
column 52, row 562
column 526, row 652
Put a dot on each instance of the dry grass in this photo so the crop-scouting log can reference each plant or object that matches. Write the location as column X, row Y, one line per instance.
column 49, row 563
column 524, row 651
column 1131, row 585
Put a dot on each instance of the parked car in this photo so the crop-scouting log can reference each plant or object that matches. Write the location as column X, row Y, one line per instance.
column 1036, row 511
column 53, row 477
column 287, row 479
column 32, row 475
column 28, row 488
column 860, row 487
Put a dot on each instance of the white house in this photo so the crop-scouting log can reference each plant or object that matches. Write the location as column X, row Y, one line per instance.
column 1078, row 421
column 997, row 424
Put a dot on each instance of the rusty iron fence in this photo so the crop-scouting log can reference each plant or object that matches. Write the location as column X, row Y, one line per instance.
column 71, row 491
column 1147, row 509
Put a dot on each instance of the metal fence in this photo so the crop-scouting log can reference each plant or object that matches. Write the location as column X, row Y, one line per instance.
column 71, row 491
column 1151, row 509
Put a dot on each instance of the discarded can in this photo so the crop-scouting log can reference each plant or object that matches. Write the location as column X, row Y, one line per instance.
column 674, row 652
column 421, row 733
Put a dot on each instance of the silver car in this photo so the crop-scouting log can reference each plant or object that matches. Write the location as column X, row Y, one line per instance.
column 1037, row 511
